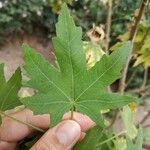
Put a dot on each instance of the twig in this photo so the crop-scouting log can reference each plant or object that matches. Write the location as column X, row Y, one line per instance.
column 146, row 146
column 113, row 119
column 145, row 118
column 131, row 78
column 145, row 78
column 19, row 121
column 140, row 90
column 146, row 126
column 137, row 20
column 108, row 25
column 108, row 30
column 145, row 96
column 97, row 4
column 131, row 37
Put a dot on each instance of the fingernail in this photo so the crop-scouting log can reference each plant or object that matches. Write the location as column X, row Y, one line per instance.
column 68, row 132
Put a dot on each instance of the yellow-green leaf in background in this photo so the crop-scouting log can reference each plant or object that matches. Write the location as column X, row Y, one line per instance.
column 141, row 45
column 9, row 90
column 93, row 52
column 128, row 120
column 120, row 143
column 137, row 144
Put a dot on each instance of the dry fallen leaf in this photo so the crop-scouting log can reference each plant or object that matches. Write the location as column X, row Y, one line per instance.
column 96, row 34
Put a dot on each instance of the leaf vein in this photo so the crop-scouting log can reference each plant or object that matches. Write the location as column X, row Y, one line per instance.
column 49, row 79
column 98, row 78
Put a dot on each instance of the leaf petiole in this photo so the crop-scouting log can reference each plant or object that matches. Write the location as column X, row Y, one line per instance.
column 22, row 122
column 113, row 137
column 72, row 110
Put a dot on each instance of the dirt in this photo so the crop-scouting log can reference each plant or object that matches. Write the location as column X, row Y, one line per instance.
column 11, row 53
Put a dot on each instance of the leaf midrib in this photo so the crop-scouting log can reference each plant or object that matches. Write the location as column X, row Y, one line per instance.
column 67, row 23
column 101, row 101
column 4, row 100
column 89, row 111
column 49, row 79
column 58, row 102
column 98, row 78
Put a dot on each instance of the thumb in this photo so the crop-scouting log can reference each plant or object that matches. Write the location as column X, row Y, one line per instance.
column 61, row 137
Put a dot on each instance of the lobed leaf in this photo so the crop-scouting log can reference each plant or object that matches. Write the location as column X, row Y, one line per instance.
column 9, row 90
column 137, row 145
column 93, row 137
column 71, row 86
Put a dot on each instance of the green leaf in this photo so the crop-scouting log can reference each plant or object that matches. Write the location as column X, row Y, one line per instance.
column 93, row 137
column 71, row 86
column 137, row 145
column 146, row 135
column 2, row 78
column 120, row 143
column 9, row 90
column 128, row 120
column 93, row 52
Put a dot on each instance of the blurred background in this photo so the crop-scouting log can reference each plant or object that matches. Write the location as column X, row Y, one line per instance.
column 33, row 21
column 105, row 24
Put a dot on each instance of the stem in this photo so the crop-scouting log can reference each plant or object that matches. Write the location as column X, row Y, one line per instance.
column 131, row 37
column 139, row 90
column 137, row 20
column 114, row 119
column 108, row 24
column 146, row 126
column 146, row 146
column 97, row 4
column 22, row 122
column 131, row 78
column 72, row 110
column 113, row 137
column 145, row 78
column 145, row 118
column 108, row 30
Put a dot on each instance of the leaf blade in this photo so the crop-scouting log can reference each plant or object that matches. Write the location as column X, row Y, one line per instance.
column 2, row 78
column 106, row 71
column 74, row 83
column 8, row 98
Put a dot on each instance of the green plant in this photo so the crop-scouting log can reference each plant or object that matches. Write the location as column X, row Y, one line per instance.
column 19, row 16
column 70, row 85
column 87, row 97
column 9, row 90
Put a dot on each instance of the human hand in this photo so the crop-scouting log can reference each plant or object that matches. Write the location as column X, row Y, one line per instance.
column 61, row 137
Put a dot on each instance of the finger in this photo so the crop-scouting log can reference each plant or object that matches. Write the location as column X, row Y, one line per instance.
column 61, row 137
column 84, row 121
column 83, row 134
column 7, row 145
column 13, row 131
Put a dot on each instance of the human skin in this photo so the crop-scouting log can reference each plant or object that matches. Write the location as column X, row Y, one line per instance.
column 61, row 137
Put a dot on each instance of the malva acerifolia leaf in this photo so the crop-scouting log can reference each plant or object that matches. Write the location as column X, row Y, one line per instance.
column 9, row 90
column 71, row 86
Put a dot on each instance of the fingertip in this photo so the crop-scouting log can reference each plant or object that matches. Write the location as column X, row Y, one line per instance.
column 11, row 130
column 84, row 121
column 7, row 145
column 62, row 136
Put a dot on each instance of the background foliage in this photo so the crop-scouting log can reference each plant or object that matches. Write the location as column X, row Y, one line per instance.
column 19, row 16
